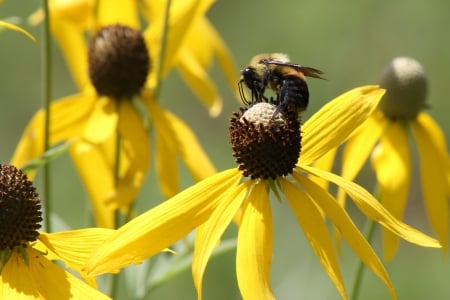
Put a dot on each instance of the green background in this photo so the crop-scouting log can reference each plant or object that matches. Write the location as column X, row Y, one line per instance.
column 351, row 41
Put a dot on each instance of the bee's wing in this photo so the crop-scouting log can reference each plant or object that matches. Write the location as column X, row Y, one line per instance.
column 308, row 71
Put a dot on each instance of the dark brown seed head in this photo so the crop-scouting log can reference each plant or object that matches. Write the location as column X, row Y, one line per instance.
column 265, row 145
column 118, row 61
column 20, row 209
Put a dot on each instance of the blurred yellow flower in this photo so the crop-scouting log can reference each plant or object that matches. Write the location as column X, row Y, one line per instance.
column 103, row 115
column 26, row 255
column 387, row 135
column 267, row 150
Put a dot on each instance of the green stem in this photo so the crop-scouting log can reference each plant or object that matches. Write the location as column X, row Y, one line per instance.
column 162, row 51
column 369, row 233
column 46, row 96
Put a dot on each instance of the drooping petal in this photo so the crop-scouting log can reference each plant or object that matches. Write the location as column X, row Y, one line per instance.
column 68, row 118
column 334, row 122
column 174, row 137
column 76, row 246
column 183, row 14
column 347, row 229
column 255, row 245
column 435, row 172
column 117, row 12
column 18, row 29
column 154, row 230
column 326, row 163
column 103, row 121
column 313, row 224
column 209, row 233
column 55, row 283
column 200, row 82
column 374, row 210
column 16, row 281
column 392, row 164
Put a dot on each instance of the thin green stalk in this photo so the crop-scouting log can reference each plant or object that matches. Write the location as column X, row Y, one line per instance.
column 46, row 96
column 162, row 52
column 359, row 274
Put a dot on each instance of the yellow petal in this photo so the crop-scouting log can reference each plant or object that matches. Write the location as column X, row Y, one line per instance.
column 347, row 229
column 334, row 122
column 68, row 118
column 315, row 229
column 18, row 29
column 326, row 163
column 42, row 279
column 434, row 167
column 75, row 247
column 209, row 233
column 153, row 231
column 119, row 11
column 200, row 82
column 392, row 164
column 102, row 122
column 374, row 210
column 255, row 245
column 96, row 172
column 174, row 137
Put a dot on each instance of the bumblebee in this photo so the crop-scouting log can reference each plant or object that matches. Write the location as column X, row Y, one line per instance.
column 276, row 72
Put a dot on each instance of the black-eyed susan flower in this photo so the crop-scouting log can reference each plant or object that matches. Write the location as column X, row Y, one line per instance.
column 103, row 115
column 26, row 267
column 387, row 135
column 267, row 148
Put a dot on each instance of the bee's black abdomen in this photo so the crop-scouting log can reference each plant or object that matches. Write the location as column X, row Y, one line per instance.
column 294, row 94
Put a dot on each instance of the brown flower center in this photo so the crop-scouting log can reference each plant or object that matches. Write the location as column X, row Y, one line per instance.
column 118, row 61
column 20, row 209
column 406, row 88
column 265, row 145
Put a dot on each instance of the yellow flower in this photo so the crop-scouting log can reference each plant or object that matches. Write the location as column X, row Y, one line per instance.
column 102, row 115
column 26, row 255
column 267, row 148
column 387, row 134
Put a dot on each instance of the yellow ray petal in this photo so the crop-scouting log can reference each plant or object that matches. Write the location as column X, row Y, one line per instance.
column 175, row 137
column 68, row 118
column 315, row 229
column 153, row 231
column 434, row 169
column 102, row 122
column 119, row 11
column 347, row 229
column 392, row 164
column 208, row 234
column 55, row 283
column 335, row 121
column 255, row 245
column 200, row 82
column 326, row 163
column 18, row 29
column 75, row 247
column 374, row 210
column 16, row 280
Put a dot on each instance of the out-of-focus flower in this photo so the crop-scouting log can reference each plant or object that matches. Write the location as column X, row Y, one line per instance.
column 387, row 135
column 267, row 149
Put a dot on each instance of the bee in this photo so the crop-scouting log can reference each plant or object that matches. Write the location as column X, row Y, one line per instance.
column 276, row 72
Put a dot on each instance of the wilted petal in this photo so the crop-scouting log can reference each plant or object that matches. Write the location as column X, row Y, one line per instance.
column 255, row 245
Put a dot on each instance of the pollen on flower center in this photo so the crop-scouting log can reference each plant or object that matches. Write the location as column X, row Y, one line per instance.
column 406, row 88
column 265, row 145
column 118, row 61
column 20, row 209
